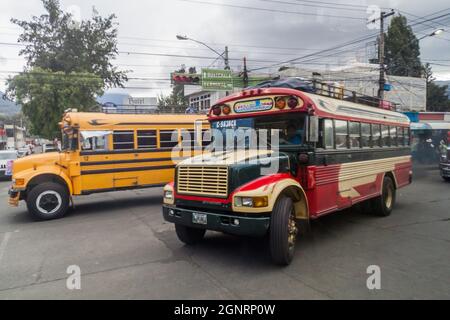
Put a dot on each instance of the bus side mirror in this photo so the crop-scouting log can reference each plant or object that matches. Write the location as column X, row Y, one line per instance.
column 313, row 132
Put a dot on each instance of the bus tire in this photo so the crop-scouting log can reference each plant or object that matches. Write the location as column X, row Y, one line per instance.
column 446, row 179
column 383, row 204
column 47, row 201
column 188, row 235
column 283, row 231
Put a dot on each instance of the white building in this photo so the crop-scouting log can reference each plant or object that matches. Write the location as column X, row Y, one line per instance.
column 15, row 136
column 407, row 92
column 202, row 100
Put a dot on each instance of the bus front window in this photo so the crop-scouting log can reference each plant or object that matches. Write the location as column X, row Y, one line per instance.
column 285, row 130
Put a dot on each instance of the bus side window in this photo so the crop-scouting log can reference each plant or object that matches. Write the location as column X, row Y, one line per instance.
column 341, row 134
column 400, row 136
column 123, row 140
column 187, row 138
column 206, row 137
column 407, row 133
column 328, row 134
column 393, row 134
column 376, row 135
column 385, row 136
column 146, row 139
column 355, row 134
column 365, row 135
column 94, row 140
column 168, row 138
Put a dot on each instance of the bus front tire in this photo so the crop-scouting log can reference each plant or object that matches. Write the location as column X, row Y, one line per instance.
column 188, row 235
column 47, row 201
column 283, row 231
column 447, row 179
column 383, row 204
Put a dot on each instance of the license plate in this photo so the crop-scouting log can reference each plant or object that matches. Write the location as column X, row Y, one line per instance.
column 199, row 218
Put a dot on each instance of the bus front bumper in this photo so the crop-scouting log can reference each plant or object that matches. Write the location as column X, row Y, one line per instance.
column 232, row 224
column 14, row 197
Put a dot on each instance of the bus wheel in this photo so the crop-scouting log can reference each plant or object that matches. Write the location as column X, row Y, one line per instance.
column 283, row 231
column 188, row 235
column 446, row 179
column 383, row 204
column 48, row 201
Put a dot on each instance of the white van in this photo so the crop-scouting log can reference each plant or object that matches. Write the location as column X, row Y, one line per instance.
column 6, row 160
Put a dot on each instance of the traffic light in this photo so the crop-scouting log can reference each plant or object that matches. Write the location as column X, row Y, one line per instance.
column 185, row 78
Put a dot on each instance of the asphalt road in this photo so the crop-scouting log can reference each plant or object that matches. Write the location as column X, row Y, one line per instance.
column 126, row 251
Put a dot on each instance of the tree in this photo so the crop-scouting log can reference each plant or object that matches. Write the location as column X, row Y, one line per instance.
column 68, row 64
column 437, row 98
column 45, row 95
column 402, row 51
column 55, row 43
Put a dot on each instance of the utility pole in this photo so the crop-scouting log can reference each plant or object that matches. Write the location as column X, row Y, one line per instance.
column 382, row 80
column 245, row 73
column 226, row 59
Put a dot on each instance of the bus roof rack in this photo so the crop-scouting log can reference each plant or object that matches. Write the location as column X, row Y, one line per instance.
column 326, row 89
column 130, row 109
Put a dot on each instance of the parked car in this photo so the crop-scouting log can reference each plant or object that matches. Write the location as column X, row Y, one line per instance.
column 46, row 148
column 24, row 151
column 445, row 165
column 6, row 161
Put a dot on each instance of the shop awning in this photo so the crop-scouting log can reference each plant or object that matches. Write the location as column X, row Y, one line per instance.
column 420, row 126
column 439, row 125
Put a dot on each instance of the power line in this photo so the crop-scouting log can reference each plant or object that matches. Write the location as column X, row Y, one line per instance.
column 298, row 3
column 342, row 45
column 269, row 10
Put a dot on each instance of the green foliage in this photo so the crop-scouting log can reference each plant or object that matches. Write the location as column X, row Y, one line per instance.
column 55, row 42
column 68, row 64
column 45, row 95
column 402, row 51
column 437, row 98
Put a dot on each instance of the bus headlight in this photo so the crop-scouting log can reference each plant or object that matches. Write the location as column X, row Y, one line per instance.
column 168, row 194
column 251, row 202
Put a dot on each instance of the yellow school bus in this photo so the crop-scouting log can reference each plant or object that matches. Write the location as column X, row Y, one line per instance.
column 105, row 152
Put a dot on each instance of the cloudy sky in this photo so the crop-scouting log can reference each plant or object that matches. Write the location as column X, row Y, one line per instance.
column 264, row 31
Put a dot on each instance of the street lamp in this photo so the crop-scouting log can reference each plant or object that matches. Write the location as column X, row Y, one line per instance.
column 224, row 55
column 434, row 33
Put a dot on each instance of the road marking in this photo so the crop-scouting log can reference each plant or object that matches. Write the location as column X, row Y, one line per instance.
column 3, row 245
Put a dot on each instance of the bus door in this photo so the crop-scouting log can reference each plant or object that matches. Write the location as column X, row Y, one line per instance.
column 128, row 161
column 96, row 161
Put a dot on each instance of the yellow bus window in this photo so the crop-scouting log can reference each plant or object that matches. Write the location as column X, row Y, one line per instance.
column 123, row 140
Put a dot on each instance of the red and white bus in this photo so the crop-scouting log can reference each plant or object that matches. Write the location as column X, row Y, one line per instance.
column 332, row 154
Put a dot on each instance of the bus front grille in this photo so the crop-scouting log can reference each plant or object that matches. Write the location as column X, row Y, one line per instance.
column 203, row 180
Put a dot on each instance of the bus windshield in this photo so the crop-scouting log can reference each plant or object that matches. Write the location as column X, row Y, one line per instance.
column 256, row 132
column 69, row 139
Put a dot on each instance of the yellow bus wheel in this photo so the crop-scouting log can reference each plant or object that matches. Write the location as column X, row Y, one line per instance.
column 48, row 200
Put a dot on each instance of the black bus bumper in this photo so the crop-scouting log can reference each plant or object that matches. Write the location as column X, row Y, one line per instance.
column 232, row 224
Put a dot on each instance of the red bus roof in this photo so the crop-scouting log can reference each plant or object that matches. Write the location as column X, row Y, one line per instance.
column 322, row 106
